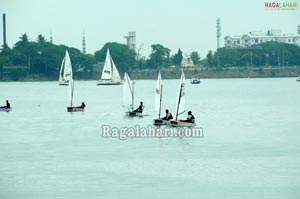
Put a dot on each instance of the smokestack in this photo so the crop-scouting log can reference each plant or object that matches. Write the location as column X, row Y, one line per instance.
column 4, row 30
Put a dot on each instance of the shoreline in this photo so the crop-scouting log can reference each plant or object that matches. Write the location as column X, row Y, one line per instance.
column 148, row 74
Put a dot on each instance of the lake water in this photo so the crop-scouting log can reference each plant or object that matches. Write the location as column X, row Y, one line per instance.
column 250, row 149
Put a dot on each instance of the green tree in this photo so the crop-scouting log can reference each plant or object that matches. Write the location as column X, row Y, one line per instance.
column 209, row 58
column 177, row 58
column 195, row 57
column 159, row 57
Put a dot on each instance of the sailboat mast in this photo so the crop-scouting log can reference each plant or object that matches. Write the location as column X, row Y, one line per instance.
column 178, row 102
column 132, row 96
column 161, row 87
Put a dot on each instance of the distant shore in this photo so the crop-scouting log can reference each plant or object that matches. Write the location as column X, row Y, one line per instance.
column 189, row 73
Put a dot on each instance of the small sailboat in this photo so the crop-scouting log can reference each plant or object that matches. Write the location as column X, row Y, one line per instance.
column 64, row 73
column 6, row 108
column 128, row 97
column 72, row 108
column 180, row 105
column 110, row 74
column 195, row 81
column 158, row 100
column 298, row 79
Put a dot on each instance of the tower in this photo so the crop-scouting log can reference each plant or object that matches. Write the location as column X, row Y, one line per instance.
column 4, row 30
column 51, row 39
column 83, row 44
column 131, row 40
column 218, row 32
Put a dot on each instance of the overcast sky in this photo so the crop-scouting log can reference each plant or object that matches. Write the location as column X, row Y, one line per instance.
column 189, row 24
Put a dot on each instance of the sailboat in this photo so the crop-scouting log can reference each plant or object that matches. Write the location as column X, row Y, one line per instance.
column 128, row 97
column 180, row 105
column 64, row 73
column 71, row 108
column 158, row 99
column 110, row 74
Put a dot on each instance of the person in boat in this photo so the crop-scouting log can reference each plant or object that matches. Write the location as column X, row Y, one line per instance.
column 140, row 108
column 7, row 105
column 168, row 116
column 190, row 118
column 82, row 105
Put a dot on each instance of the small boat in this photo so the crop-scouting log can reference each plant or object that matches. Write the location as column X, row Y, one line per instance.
column 128, row 97
column 298, row 79
column 64, row 73
column 195, row 81
column 158, row 99
column 5, row 109
column 71, row 108
column 180, row 105
column 110, row 74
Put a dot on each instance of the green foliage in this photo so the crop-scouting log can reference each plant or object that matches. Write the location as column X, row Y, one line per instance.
column 159, row 57
column 195, row 57
column 177, row 58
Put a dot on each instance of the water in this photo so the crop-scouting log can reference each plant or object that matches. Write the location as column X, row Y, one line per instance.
column 250, row 147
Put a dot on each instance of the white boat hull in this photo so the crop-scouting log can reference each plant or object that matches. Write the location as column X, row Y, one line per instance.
column 63, row 83
column 182, row 124
column 75, row 109
column 133, row 114
column 160, row 122
column 5, row 109
column 108, row 82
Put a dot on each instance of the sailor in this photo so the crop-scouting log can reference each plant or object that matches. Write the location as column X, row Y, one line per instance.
column 190, row 118
column 82, row 105
column 140, row 108
column 7, row 105
column 168, row 116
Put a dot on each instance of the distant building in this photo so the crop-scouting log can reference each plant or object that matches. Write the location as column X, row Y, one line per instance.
column 187, row 62
column 131, row 40
column 252, row 38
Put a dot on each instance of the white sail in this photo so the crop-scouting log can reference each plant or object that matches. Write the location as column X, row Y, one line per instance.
column 180, row 103
column 106, row 72
column 128, row 97
column 115, row 73
column 158, row 95
column 60, row 79
column 68, row 67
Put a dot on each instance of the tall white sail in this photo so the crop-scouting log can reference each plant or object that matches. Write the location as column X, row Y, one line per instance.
column 68, row 67
column 106, row 72
column 128, row 96
column 115, row 73
column 60, row 79
column 180, row 103
column 158, row 94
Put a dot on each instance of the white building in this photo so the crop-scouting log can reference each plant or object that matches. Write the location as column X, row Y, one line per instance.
column 257, row 37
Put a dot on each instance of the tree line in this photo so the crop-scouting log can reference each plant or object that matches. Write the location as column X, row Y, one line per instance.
column 43, row 58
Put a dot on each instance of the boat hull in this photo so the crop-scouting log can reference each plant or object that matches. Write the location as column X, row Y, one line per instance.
column 5, row 109
column 63, row 83
column 75, row 109
column 108, row 82
column 195, row 81
column 182, row 124
column 160, row 122
column 133, row 114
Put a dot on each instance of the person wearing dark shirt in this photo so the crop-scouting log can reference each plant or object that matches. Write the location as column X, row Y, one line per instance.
column 190, row 118
column 168, row 116
column 140, row 108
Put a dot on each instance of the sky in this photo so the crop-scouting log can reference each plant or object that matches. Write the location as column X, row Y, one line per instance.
column 186, row 24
